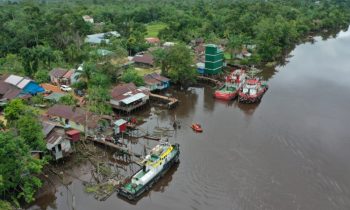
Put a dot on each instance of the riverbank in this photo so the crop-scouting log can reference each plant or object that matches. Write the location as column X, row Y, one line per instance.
column 287, row 152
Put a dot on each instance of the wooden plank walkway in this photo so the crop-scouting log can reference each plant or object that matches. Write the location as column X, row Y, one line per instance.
column 171, row 101
column 211, row 80
column 112, row 145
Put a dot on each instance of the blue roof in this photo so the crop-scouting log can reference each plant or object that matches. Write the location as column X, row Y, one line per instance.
column 33, row 88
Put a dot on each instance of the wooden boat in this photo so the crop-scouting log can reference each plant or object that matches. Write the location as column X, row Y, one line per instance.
column 197, row 127
column 252, row 91
column 233, row 83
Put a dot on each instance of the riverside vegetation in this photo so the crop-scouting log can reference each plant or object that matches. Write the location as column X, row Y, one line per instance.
column 39, row 35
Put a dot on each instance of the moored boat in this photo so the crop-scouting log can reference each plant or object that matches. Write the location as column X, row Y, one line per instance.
column 252, row 91
column 155, row 165
column 197, row 127
column 230, row 89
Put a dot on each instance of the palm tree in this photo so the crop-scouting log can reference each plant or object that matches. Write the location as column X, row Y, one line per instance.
column 86, row 72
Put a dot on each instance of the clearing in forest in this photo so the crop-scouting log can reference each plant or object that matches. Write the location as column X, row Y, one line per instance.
column 154, row 28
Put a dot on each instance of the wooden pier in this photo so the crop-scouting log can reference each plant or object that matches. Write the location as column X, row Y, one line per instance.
column 210, row 80
column 120, row 148
column 171, row 101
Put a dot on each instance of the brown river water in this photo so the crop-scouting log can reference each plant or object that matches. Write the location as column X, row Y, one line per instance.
column 290, row 152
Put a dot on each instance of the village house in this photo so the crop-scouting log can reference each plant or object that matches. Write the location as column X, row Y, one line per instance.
column 14, row 86
column 101, row 37
column 128, row 97
column 88, row 19
column 168, row 44
column 155, row 81
column 76, row 118
column 143, row 60
column 153, row 41
column 61, row 76
column 56, row 140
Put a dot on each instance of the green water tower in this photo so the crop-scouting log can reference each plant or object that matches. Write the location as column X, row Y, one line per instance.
column 214, row 59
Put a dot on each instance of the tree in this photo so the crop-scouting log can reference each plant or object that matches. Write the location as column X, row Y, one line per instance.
column 161, row 60
column 2, row 125
column 14, row 110
column 98, row 100
column 86, row 73
column 11, row 64
column 30, row 129
column 18, row 168
column 41, row 76
column 177, row 64
column 131, row 75
column 38, row 99
column 68, row 99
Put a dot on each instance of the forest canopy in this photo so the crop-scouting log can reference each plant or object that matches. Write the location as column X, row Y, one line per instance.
column 36, row 35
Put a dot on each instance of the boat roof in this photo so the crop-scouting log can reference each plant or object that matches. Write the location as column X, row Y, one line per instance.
column 252, row 81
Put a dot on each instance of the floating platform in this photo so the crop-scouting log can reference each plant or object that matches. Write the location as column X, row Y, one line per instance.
column 171, row 102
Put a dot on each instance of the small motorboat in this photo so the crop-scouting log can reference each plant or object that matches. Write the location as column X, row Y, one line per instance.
column 197, row 127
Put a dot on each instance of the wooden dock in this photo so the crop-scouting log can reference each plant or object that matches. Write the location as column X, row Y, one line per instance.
column 120, row 148
column 210, row 80
column 171, row 101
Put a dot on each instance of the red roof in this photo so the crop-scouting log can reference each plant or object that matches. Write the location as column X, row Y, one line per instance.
column 72, row 132
column 58, row 72
column 154, row 78
column 74, row 114
column 68, row 74
column 144, row 59
column 152, row 40
column 8, row 91
column 123, row 91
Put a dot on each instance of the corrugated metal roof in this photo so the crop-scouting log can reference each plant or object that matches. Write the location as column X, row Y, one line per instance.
column 13, row 79
column 98, row 38
column 133, row 98
column 54, row 96
column 120, row 122
column 23, row 83
column 47, row 128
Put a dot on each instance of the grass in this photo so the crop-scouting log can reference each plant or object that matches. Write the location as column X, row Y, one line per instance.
column 154, row 28
column 227, row 56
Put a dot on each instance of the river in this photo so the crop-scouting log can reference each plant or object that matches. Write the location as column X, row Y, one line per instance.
column 289, row 152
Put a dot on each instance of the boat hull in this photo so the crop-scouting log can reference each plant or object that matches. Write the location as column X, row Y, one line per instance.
column 225, row 96
column 135, row 195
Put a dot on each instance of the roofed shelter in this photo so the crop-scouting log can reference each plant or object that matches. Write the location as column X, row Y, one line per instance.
column 127, row 97
column 75, row 117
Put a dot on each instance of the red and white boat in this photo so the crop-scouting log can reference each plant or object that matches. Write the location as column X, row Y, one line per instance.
column 233, row 83
column 252, row 91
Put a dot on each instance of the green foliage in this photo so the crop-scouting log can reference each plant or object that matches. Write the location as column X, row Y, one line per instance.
column 131, row 75
column 68, row 99
column 38, row 99
column 30, row 129
column 176, row 62
column 11, row 64
column 42, row 76
column 14, row 110
column 154, row 28
column 98, row 99
column 25, row 120
column 18, row 168
column 4, row 205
